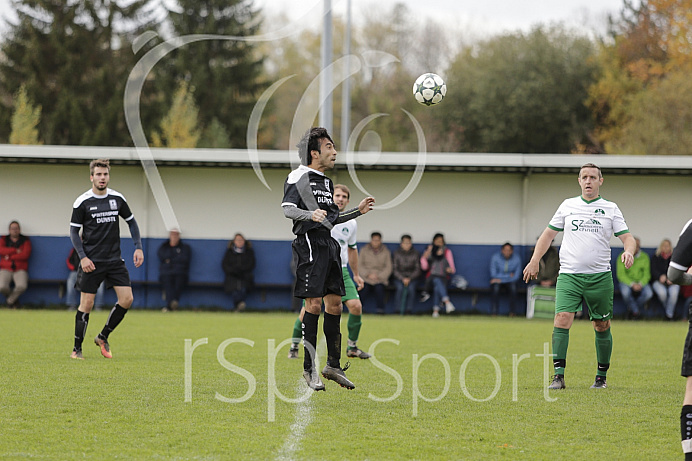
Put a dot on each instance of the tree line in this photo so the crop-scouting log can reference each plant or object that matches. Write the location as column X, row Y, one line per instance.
column 553, row 89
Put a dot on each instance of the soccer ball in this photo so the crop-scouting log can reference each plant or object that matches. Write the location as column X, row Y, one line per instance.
column 429, row 89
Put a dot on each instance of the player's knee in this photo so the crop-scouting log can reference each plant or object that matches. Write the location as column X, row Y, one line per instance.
column 601, row 325
column 125, row 301
column 356, row 308
column 313, row 305
column 86, row 304
column 563, row 319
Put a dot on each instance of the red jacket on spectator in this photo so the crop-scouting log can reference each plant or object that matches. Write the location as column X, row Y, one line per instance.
column 14, row 256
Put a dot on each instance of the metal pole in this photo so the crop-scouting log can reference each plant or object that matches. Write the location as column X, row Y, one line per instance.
column 326, row 111
column 346, row 90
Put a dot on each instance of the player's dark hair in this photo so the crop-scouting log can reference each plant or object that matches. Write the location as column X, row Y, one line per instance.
column 99, row 163
column 343, row 188
column 406, row 236
column 376, row 234
column 508, row 244
column 14, row 222
column 591, row 165
column 311, row 141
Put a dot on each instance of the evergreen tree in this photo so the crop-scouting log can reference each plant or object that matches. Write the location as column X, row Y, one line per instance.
column 225, row 73
column 74, row 58
column 24, row 120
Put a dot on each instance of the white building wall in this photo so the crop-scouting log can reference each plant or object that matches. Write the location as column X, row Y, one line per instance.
column 469, row 208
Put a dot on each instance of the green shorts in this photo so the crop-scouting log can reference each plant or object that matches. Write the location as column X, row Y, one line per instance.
column 595, row 289
column 351, row 290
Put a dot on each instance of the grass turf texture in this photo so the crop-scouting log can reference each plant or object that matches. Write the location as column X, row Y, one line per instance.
column 133, row 406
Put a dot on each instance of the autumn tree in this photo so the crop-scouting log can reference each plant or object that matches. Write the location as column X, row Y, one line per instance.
column 25, row 119
column 179, row 128
column 648, row 51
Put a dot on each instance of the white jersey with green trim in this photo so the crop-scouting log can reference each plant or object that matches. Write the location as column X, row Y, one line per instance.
column 345, row 234
column 588, row 227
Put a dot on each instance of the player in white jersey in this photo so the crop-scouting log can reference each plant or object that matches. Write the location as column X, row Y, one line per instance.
column 345, row 234
column 589, row 222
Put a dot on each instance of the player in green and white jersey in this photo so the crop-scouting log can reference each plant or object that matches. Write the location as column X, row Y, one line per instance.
column 345, row 234
column 589, row 222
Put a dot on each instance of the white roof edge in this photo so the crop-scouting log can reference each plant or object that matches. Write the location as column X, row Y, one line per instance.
column 440, row 159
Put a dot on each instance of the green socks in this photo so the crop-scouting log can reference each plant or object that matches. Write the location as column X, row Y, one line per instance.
column 297, row 333
column 604, row 347
column 560, row 343
column 353, row 325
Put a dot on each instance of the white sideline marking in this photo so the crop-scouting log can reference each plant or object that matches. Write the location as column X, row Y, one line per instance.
column 303, row 416
column 303, row 419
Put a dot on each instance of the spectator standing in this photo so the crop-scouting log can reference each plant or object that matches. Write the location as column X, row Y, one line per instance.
column 505, row 272
column 174, row 257
column 438, row 261
column 15, row 249
column 238, row 265
column 375, row 266
column 406, row 269
column 634, row 281
column 666, row 291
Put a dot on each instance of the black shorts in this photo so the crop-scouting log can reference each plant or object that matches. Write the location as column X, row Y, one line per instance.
column 318, row 271
column 113, row 272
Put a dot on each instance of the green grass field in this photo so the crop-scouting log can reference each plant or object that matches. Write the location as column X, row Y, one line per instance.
column 138, row 405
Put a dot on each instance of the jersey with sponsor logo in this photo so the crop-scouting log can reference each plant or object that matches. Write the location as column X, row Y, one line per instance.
column 588, row 228
column 309, row 189
column 682, row 254
column 345, row 234
column 97, row 215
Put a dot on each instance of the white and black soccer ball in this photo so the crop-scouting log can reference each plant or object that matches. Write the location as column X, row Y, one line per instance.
column 429, row 89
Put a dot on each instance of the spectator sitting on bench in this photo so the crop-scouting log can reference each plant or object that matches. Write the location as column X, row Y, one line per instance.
column 375, row 267
column 438, row 261
column 15, row 249
column 505, row 272
column 406, row 269
column 634, row 282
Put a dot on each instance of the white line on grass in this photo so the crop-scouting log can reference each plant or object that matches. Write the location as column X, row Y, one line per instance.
column 303, row 416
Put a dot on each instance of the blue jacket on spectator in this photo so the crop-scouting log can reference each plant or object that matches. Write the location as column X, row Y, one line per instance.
column 507, row 270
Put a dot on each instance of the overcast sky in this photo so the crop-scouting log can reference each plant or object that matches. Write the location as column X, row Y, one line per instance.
column 479, row 16
column 491, row 16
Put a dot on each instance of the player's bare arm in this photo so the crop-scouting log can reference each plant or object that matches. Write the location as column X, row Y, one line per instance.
column 630, row 248
column 353, row 262
column 542, row 245
column 366, row 205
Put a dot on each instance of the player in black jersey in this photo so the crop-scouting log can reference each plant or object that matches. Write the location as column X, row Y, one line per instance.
column 679, row 272
column 309, row 202
column 95, row 213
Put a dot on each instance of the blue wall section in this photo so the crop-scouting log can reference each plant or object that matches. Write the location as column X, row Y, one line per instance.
column 273, row 276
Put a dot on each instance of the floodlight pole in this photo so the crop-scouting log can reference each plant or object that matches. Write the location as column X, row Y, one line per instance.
column 326, row 114
column 346, row 90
